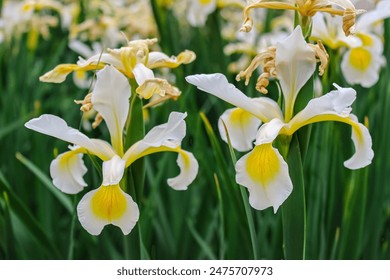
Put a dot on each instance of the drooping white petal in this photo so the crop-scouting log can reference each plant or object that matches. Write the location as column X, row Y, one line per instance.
column 265, row 174
column 188, row 170
column 216, row 84
column 56, row 127
column 294, row 65
column 110, row 98
column 363, row 146
column 336, row 106
column 107, row 205
column 241, row 127
column 67, row 171
column 113, row 170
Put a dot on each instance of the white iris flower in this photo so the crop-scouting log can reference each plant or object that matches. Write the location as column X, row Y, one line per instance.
column 263, row 170
column 109, row 204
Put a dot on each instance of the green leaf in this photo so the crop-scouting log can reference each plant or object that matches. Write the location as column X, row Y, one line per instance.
column 60, row 196
column 294, row 208
column 23, row 213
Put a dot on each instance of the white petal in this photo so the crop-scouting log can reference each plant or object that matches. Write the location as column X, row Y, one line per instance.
column 294, row 65
column 269, row 131
column 110, row 98
column 363, row 146
column 188, row 170
column 264, row 172
column 113, row 170
column 56, row 127
column 365, row 20
column 241, row 126
column 107, row 205
column 167, row 134
column 331, row 106
column 366, row 70
column 142, row 73
column 67, row 171
column 217, row 85
column 197, row 13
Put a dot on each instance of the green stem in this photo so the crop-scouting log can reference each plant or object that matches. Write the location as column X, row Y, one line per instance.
column 245, row 201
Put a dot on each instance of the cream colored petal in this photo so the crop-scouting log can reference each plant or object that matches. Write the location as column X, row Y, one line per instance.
column 188, row 170
column 67, row 171
column 110, row 98
column 159, row 59
column 241, row 126
column 265, row 174
column 56, row 127
column 107, row 205
column 216, row 84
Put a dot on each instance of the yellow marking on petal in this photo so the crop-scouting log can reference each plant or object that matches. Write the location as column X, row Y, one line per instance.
column 80, row 74
column 205, row 2
column 59, row 73
column 360, row 58
column 109, row 203
column 366, row 40
column 240, row 116
column 263, row 164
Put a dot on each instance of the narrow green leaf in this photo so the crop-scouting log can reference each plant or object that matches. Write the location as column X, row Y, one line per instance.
column 61, row 197
column 205, row 247
column 294, row 208
column 23, row 213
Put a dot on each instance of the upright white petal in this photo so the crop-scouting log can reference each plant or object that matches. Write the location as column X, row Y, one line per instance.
column 107, row 205
column 217, row 85
column 188, row 170
column 241, row 127
column 56, row 127
column 110, row 98
column 294, row 65
column 264, row 173
column 67, row 171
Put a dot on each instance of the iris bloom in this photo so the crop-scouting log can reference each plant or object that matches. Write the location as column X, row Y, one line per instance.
column 306, row 8
column 363, row 58
column 109, row 204
column 263, row 170
column 135, row 61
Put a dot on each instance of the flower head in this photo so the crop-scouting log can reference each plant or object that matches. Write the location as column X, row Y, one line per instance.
column 109, row 204
column 255, row 123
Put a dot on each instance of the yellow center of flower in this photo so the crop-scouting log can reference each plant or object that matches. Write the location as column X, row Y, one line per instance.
column 109, row 203
column 360, row 58
column 205, row 2
column 239, row 116
column 263, row 164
